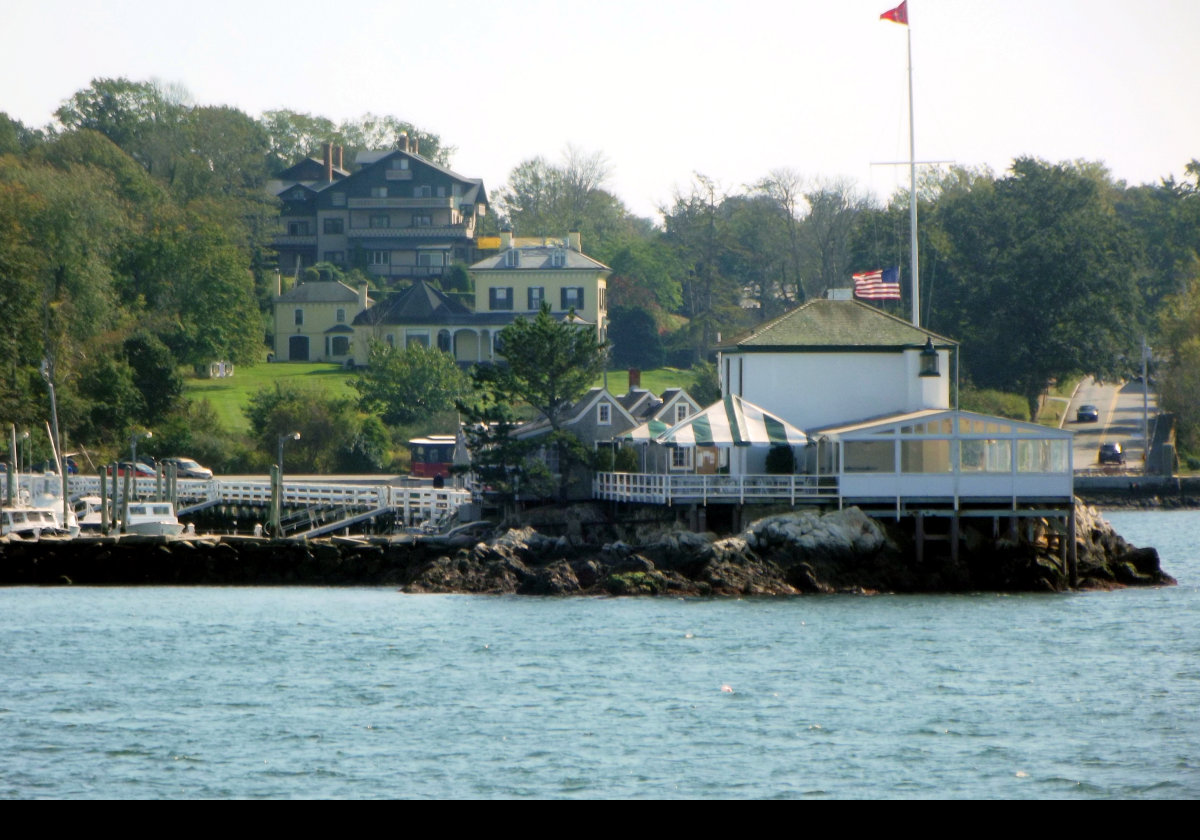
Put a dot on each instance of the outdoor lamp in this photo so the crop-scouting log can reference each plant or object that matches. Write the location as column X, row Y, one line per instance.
column 929, row 360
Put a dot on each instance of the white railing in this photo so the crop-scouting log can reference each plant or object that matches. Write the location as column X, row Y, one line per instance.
column 414, row 503
column 669, row 489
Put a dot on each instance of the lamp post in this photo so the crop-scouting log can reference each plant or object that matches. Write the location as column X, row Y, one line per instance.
column 283, row 439
column 133, row 439
column 277, row 487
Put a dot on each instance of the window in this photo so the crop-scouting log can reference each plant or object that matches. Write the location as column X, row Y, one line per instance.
column 572, row 298
column 335, row 226
column 422, row 192
column 337, row 199
column 537, row 294
column 299, row 317
column 512, row 258
column 602, row 297
column 500, row 298
column 378, row 192
column 681, row 412
column 441, row 192
column 681, row 458
column 558, row 258
column 381, row 257
column 341, row 316
column 380, row 220
column 390, row 339
column 604, row 414
column 398, row 163
column 431, row 258
column 335, row 257
column 341, row 345
column 415, row 337
column 297, row 228
column 422, row 221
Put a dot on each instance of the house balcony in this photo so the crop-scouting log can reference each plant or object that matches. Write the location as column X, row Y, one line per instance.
column 427, row 232
column 395, row 202
column 305, row 241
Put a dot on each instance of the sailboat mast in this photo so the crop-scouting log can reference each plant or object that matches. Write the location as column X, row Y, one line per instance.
column 912, row 190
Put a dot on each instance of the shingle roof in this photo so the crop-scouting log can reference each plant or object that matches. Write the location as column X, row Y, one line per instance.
column 322, row 291
column 420, row 303
column 539, row 257
column 824, row 325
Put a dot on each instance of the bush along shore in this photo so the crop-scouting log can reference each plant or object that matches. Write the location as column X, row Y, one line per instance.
column 786, row 554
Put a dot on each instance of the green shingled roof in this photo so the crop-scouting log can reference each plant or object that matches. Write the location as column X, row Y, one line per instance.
column 824, row 325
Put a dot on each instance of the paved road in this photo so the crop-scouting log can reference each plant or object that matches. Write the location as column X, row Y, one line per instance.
column 1120, row 421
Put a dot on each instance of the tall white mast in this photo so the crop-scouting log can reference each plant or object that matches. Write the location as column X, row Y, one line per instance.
column 912, row 186
column 900, row 15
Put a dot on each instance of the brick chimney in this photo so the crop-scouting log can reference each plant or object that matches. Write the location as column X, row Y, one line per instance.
column 329, row 163
column 340, row 157
column 403, row 141
column 635, row 378
column 416, row 145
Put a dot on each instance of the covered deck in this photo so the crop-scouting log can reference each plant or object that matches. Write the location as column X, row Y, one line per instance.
column 926, row 460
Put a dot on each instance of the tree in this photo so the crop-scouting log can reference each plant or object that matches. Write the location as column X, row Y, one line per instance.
column 635, row 341
column 548, row 365
column 409, row 385
column 1040, row 278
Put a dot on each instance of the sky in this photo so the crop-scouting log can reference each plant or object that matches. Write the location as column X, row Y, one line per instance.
column 664, row 89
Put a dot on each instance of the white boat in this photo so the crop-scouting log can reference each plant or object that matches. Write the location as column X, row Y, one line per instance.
column 38, row 509
column 153, row 519
column 28, row 522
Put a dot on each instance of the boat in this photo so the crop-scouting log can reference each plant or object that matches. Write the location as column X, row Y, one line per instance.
column 38, row 509
column 28, row 522
column 153, row 519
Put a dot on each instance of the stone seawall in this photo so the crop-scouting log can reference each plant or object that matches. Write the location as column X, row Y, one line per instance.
column 786, row 554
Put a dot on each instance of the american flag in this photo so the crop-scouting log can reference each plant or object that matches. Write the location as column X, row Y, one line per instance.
column 880, row 284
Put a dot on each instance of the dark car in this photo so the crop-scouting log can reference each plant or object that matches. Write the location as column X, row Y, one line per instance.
column 187, row 468
column 1111, row 453
column 1087, row 414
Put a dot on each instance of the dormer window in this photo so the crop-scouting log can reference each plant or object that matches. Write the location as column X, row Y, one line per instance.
column 512, row 258
column 604, row 414
column 558, row 258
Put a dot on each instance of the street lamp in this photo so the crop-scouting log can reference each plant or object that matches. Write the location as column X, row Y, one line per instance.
column 282, row 440
column 133, row 439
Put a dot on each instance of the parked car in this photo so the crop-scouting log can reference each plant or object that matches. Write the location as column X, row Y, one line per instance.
column 1111, row 453
column 139, row 470
column 187, row 468
column 1087, row 414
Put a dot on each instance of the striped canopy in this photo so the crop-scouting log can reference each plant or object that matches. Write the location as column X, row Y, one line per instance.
column 730, row 422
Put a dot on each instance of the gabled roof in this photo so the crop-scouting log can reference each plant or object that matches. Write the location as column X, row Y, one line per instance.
column 420, row 303
column 370, row 160
column 309, row 169
column 578, row 411
column 538, row 258
column 321, row 291
column 828, row 325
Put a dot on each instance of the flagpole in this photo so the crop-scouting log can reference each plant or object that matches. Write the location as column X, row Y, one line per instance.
column 912, row 189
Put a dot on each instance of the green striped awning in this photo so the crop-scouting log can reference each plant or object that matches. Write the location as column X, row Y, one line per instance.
column 731, row 422
column 645, row 432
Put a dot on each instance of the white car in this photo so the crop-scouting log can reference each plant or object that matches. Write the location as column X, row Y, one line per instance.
column 187, row 468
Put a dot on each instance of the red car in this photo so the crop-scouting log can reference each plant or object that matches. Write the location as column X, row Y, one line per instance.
column 139, row 470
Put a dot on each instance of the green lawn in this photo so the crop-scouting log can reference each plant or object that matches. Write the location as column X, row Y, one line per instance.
column 229, row 396
column 657, row 380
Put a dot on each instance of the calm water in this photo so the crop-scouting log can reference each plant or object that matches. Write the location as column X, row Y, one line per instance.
column 156, row 692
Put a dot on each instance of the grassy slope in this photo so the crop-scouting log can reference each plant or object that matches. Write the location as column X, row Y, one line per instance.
column 229, row 396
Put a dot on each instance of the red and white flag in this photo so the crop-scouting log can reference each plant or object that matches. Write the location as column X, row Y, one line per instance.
column 898, row 14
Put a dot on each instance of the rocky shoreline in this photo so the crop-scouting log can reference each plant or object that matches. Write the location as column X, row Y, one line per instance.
column 787, row 554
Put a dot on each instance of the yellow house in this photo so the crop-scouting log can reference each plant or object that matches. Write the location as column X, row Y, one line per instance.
column 527, row 273
column 313, row 322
